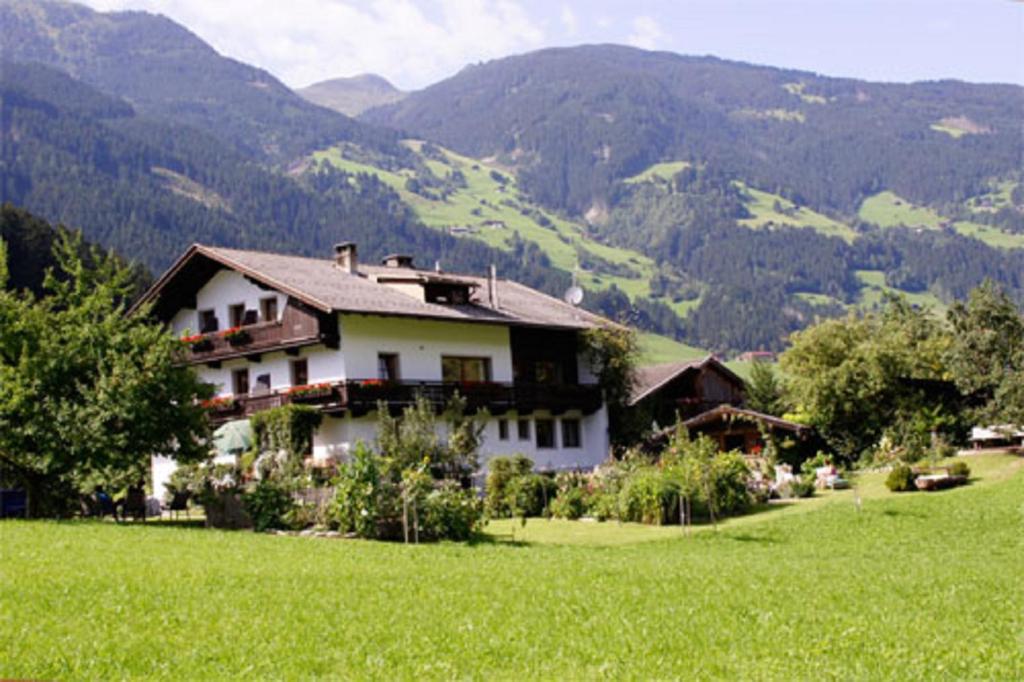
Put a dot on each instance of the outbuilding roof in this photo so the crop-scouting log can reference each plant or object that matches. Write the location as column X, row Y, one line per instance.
column 649, row 379
column 322, row 285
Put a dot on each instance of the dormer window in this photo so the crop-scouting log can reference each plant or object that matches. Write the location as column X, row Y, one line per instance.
column 451, row 294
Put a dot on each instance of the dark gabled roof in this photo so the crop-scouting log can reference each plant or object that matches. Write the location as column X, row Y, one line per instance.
column 723, row 411
column 321, row 285
column 649, row 379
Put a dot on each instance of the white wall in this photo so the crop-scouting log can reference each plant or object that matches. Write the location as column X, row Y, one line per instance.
column 420, row 345
column 224, row 289
column 323, row 364
column 337, row 435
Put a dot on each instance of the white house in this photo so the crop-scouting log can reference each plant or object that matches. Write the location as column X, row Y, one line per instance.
column 269, row 329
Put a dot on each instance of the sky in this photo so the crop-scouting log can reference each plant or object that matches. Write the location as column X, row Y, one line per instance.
column 414, row 43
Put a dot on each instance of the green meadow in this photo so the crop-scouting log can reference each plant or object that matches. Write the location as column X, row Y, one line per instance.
column 887, row 209
column 910, row 586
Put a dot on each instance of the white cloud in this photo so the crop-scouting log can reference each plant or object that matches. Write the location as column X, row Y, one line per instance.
column 646, row 33
column 302, row 41
column 569, row 21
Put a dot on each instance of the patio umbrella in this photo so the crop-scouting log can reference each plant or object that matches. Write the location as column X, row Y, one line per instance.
column 233, row 438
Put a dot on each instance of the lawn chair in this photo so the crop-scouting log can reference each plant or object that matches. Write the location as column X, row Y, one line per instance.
column 134, row 504
column 179, row 503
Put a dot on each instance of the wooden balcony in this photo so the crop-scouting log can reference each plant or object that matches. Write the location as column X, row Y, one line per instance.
column 245, row 341
column 360, row 397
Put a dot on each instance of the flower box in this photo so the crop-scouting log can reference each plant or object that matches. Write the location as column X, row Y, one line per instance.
column 198, row 343
column 310, row 391
column 236, row 336
column 219, row 404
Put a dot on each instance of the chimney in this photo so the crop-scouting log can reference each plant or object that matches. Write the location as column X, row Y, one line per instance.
column 345, row 258
column 492, row 287
column 397, row 260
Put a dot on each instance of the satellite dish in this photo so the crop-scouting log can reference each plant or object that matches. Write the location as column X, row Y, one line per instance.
column 573, row 295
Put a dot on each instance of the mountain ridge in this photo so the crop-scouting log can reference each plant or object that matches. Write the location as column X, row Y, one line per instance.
column 352, row 95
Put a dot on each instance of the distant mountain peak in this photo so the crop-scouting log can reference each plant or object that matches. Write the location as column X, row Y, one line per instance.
column 352, row 95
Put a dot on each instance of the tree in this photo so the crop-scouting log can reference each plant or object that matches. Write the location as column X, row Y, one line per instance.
column 612, row 352
column 764, row 390
column 857, row 377
column 986, row 358
column 87, row 393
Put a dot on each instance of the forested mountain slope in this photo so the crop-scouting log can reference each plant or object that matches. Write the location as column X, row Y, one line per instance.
column 73, row 155
column 167, row 72
column 577, row 120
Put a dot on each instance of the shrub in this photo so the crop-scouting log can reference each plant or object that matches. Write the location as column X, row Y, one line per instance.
column 730, row 475
column 569, row 504
column 900, row 479
column 501, row 471
column 960, row 468
column 357, row 500
column 529, row 494
column 268, row 505
column 648, row 496
column 451, row 513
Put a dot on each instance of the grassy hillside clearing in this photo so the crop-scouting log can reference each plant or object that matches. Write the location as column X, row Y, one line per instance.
column 492, row 211
column 763, row 207
column 914, row 585
column 659, row 171
column 875, row 287
column 887, row 209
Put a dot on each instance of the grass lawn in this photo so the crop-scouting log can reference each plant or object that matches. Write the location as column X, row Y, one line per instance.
column 914, row 585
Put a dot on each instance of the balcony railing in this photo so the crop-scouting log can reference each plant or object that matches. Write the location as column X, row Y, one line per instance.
column 241, row 341
column 362, row 396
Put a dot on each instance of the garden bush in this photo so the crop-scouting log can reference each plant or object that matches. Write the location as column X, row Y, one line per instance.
column 451, row 513
column 572, row 499
column 960, row 468
column 529, row 495
column 501, row 472
column 268, row 505
column 357, row 500
column 900, row 479
column 648, row 496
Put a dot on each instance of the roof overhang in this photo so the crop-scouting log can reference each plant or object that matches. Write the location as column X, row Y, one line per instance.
column 193, row 269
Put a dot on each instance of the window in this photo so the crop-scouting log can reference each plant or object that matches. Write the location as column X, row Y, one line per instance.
column 502, row 429
column 262, row 384
column 236, row 315
column 240, row 381
column 268, row 309
column 548, row 372
column 207, row 321
column 570, row 433
column 387, row 366
column 454, row 294
column 523, row 429
column 300, row 372
column 545, row 433
column 458, row 369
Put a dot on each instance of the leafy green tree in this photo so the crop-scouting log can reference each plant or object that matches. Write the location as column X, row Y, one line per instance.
column 88, row 394
column 612, row 352
column 855, row 377
column 765, row 390
column 986, row 358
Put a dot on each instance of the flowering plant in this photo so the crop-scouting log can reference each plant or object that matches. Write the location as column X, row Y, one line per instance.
column 235, row 335
column 309, row 389
column 224, row 403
